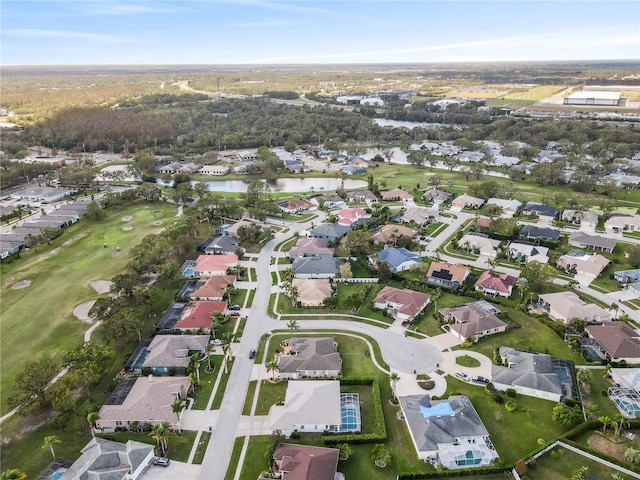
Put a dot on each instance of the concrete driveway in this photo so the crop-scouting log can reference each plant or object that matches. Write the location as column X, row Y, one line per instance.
column 175, row 471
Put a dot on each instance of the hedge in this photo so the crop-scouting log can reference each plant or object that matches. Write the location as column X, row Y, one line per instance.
column 465, row 472
column 380, row 435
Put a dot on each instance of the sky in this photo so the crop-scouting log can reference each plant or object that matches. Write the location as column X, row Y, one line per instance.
column 121, row 32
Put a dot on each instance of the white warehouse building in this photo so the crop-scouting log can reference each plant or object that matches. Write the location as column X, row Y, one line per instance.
column 599, row 98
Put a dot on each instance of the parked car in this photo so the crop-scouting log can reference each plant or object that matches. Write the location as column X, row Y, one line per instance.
column 462, row 375
column 161, row 461
column 234, row 307
column 252, row 354
column 480, row 379
column 216, row 342
column 235, row 314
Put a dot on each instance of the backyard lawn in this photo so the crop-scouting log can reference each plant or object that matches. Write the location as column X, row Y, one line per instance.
column 560, row 464
column 38, row 320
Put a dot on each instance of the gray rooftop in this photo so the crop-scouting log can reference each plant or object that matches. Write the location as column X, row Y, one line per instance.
column 317, row 265
column 526, row 369
column 310, row 354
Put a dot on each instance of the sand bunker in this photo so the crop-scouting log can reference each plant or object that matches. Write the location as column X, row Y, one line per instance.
column 101, row 286
column 81, row 312
column 157, row 223
column 127, row 228
column 128, row 218
column 21, row 284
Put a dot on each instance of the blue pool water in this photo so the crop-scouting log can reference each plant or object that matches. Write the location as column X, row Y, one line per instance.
column 57, row 475
column 349, row 419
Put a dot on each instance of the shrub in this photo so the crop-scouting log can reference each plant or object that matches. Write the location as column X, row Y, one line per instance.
column 511, row 392
column 497, row 398
column 511, row 406
column 489, row 388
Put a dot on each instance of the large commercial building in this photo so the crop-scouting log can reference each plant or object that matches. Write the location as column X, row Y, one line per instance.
column 609, row 99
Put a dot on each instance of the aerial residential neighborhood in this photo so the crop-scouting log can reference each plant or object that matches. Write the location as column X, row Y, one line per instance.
column 388, row 271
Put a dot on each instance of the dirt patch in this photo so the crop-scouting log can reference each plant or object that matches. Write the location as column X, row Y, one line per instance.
column 81, row 312
column 127, row 228
column 21, row 284
column 128, row 218
column 157, row 223
column 601, row 444
column 34, row 420
column 101, row 286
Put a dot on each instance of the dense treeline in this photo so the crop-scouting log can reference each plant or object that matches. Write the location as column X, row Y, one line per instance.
column 15, row 173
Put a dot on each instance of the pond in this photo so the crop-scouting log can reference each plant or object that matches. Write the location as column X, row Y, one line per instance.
column 384, row 122
column 285, row 185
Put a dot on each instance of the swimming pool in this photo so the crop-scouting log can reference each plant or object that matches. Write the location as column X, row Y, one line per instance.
column 58, row 473
column 350, row 412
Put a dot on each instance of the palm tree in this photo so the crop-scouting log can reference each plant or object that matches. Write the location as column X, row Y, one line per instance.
column 208, row 350
column 618, row 423
column 606, row 421
column 160, row 433
column 293, row 325
column 288, row 274
column 607, row 370
column 615, row 308
column 632, row 455
column 176, row 407
column 273, row 367
column 591, row 411
column 394, row 377
column 434, row 298
column 49, row 442
column 13, row 474
column 92, row 418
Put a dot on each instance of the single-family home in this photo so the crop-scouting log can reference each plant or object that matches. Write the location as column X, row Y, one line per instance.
column 398, row 259
column 235, row 228
column 309, row 357
column 312, row 406
column 212, row 288
column 447, row 432
column 198, row 315
column 308, row 246
column 473, row 321
column 584, row 218
column 304, row 462
column 396, row 195
column 525, row 252
column 216, row 170
column 627, row 276
column 360, row 196
column 448, row 275
column 210, row 265
column 622, row 223
column 351, row 216
column 544, row 212
column 353, row 170
column 318, row 266
column 391, row 233
column 36, row 193
column 437, row 197
column 312, row 292
column 534, row 374
column 165, row 354
column 532, row 232
column 509, row 207
column 483, row 224
column 171, row 316
column 402, row 304
column 593, row 242
column 222, row 245
column 617, row 341
column 142, row 400
column 107, row 459
column 481, row 243
column 587, row 265
column 328, row 200
column 169, row 168
column 466, row 201
column 420, row 216
column 626, row 377
column 296, row 205
column 330, row 231
column 567, row 306
column 9, row 247
column 495, row 284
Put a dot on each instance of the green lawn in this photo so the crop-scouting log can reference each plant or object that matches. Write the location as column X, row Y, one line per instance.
column 202, row 448
column 207, row 381
column 37, row 320
column 179, row 445
column 467, row 361
column 235, row 457
column 222, row 386
column 270, row 394
column 560, row 464
column 248, row 401
column 254, row 462
column 597, row 384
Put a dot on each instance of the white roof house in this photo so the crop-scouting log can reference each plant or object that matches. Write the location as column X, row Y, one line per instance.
column 567, row 306
column 529, row 253
column 509, row 207
column 486, row 246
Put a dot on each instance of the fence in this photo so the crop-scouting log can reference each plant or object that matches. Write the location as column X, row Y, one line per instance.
column 355, row 280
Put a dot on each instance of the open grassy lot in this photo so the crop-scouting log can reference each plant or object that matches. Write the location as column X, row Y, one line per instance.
column 527, row 333
column 560, row 464
column 506, row 429
column 37, row 320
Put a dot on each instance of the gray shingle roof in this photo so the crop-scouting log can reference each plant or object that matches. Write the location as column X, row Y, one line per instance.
column 311, row 354
column 315, row 265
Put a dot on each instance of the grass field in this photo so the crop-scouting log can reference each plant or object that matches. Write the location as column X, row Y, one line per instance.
column 37, row 321
column 560, row 464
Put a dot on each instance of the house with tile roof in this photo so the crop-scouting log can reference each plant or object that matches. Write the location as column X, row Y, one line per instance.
column 398, row 259
column 166, row 354
column 484, row 245
column 447, row 432
column 448, row 275
column 310, row 246
column 567, row 306
column 309, row 357
column 351, row 216
column 584, row 218
column 212, row 288
column 544, row 212
column 390, row 233
column 587, row 265
column 360, row 196
column 296, row 205
column 466, row 201
column 330, row 231
column 198, row 315
column 420, row 216
column 103, row 459
column 495, row 284
column 210, row 265
column 473, row 321
column 403, row 304
column 617, row 341
column 304, row 462
column 395, row 195
column 592, row 242
column 509, row 207
column 145, row 400
column 222, row 245
column 312, row 292
column 525, row 252
column 617, row 224
column 319, row 266
column 437, row 197
column 533, row 232
column 534, row 374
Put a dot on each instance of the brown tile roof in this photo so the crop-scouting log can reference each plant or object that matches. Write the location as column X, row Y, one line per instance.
column 311, row 246
column 498, row 282
column 302, row 462
column 198, row 314
column 617, row 338
column 458, row 272
column 214, row 287
column 215, row 263
column 395, row 193
column 384, row 234
column 470, row 320
column 410, row 300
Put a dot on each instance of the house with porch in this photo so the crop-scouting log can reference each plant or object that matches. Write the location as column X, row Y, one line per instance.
column 593, row 242
column 473, row 321
column 309, row 357
column 566, row 306
column 495, row 284
column 402, row 304
column 617, row 341
column 466, row 201
column 448, row 275
column 312, row 292
column 304, row 462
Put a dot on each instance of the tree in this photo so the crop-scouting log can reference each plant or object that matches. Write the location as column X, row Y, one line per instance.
column 273, row 367
column 632, row 253
column 615, row 308
column 565, row 415
column 176, row 407
column 94, row 212
column 30, row 385
column 13, row 474
column 435, row 181
column 48, row 444
column 292, row 325
column 394, row 377
column 201, row 189
column 345, row 451
column 580, row 473
column 537, row 274
column 605, row 421
column 345, row 270
column 352, row 302
column 384, row 273
column 435, row 296
column 416, row 158
column 355, row 241
column 160, row 433
column 380, row 455
column 632, row 455
column 92, row 418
